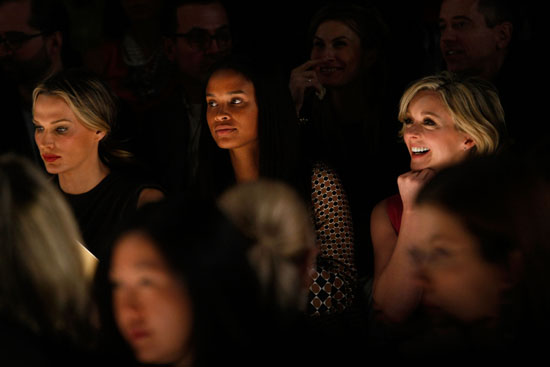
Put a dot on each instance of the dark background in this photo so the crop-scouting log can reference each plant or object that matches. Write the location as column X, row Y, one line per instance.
column 277, row 30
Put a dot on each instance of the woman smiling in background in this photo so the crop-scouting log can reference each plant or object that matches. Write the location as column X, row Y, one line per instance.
column 341, row 98
column 445, row 120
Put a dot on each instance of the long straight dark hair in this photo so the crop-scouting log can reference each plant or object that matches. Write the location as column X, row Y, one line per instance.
column 281, row 157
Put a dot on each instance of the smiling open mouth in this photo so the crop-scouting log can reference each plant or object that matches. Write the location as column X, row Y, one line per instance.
column 419, row 150
column 328, row 69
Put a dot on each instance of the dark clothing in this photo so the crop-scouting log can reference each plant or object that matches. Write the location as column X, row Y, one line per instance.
column 21, row 347
column 363, row 153
column 17, row 134
column 422, row 340
column 521, row 98
column 167, row 143
column 100, row 210
column 139, row 81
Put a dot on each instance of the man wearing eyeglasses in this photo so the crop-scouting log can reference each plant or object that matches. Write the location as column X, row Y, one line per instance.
column 197, row 35
column 30, row 49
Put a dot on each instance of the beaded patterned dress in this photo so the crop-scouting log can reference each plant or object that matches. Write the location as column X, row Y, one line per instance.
column 335, row 274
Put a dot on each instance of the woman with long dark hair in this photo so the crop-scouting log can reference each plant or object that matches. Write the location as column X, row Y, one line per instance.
column 253, row 133
column 177, row 288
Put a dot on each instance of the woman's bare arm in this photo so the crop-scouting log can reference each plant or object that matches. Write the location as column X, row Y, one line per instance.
column 396, row 292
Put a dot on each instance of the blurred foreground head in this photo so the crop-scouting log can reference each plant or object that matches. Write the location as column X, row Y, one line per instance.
column 43, row 283
column 275, row 218
column 178, row 287
column 485, row 246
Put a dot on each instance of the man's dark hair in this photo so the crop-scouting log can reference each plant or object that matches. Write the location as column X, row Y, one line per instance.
column 498, row 11
column 51, row 16
column 170, row 20
column 47, row 15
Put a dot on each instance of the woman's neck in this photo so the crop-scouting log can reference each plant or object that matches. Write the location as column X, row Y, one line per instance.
column 79, row 181
column 246, row 163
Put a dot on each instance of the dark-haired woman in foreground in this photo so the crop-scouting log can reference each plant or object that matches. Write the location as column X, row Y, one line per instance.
column 178, row 289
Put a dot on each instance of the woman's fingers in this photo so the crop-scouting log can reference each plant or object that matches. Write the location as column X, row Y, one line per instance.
column 302, row 78
column 308, row 65
column 410, row 184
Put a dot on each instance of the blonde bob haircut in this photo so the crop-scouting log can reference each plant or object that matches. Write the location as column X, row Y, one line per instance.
column 43, row 284
column 274, row 216
column 473, row 104
column 89, row 98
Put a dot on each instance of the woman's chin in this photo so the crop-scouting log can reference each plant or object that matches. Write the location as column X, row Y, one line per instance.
column 418, row 166
column 53, row 170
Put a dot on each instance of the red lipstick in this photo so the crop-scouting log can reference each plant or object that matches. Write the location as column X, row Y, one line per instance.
column 50, row 157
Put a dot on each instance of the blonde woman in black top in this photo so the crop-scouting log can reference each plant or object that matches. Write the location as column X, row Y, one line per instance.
column 74, row 114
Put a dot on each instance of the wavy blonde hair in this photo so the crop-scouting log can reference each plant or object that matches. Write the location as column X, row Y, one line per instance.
column 90, row 99
column 274, row 216
column 473, row 104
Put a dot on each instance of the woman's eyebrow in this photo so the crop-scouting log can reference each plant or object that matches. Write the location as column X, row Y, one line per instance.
column 232, row 92
column 53, row 122
column 429, row 113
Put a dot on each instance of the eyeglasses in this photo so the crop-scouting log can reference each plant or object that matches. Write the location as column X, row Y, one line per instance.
column 200, row 39
column 15, row 40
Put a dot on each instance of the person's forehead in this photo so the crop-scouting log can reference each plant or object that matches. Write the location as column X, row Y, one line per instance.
column 206, row 16
column 455, row 8
column 335, row 28
column 14, row 17
column 229, row 81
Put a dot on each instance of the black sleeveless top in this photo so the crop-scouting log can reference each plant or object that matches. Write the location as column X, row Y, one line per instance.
column 100, row 210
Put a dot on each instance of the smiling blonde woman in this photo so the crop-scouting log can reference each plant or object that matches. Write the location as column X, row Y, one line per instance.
column 446, row 119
